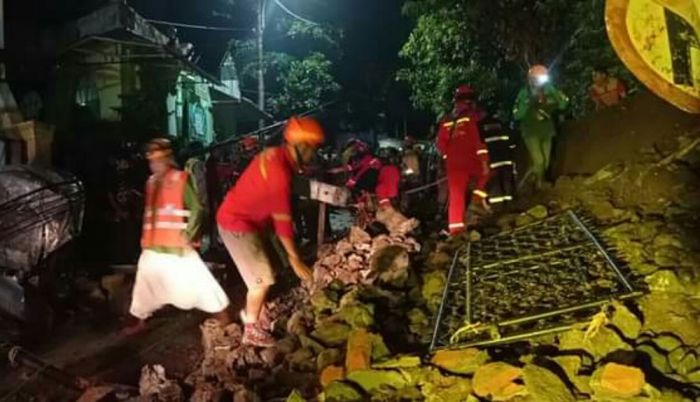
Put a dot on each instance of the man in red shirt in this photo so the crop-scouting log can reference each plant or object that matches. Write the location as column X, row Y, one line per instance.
column 466, row 156
column 387, row 191
column 262, row 196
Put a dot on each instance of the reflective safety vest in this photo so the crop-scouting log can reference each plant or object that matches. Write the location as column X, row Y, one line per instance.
column 165, row 216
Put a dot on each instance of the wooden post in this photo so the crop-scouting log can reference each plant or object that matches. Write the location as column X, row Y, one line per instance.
column 321, row 229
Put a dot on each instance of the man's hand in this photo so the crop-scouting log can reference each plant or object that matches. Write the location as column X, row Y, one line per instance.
column 303, row 272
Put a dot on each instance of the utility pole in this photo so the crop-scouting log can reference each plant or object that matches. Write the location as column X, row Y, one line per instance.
column 261, row 61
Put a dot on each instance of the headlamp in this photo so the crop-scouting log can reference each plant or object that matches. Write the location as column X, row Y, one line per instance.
column 542, row 79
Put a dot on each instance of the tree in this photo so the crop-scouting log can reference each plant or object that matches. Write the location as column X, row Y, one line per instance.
column 297, row 61
column 490, row 44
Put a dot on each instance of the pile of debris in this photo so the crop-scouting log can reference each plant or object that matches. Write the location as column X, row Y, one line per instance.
column 360, row 332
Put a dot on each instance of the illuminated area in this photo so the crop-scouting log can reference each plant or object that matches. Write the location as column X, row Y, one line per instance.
column 350, row 200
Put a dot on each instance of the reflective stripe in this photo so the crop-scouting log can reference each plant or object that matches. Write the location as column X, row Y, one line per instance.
column 480, row 193
column 512, row 146
column 497, row 138
column 165, row 225
column 456, row 225
column 169, row 212
column 503, row 163
column 408, row 171
column 282, row 217
column 497, row 200
column 482, row 152
column 385, row 201
column 462, row 120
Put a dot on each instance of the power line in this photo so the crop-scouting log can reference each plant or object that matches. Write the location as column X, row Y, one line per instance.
column 297, row 16
column 205, row 27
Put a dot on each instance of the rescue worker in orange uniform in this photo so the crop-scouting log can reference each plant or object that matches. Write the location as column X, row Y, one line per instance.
column 387, row 192
column 261, row 198
column 466, row 156
column 169, row 270
column 606, row 91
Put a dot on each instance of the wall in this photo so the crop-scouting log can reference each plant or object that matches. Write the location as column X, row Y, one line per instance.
column 618, row 134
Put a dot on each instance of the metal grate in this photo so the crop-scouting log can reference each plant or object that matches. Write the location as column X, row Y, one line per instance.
column 537, row 279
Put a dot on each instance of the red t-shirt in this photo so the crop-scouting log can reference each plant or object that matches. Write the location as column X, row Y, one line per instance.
column 261, row 196
column 388, row 183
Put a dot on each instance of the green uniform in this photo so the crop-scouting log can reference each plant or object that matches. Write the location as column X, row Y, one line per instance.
column 535, row 112
column 194, row 222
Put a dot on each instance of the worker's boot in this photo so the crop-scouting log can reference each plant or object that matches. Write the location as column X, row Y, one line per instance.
column 255, row 335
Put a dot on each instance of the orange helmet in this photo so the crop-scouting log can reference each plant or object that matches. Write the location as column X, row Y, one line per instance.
column 159, row 148
column 303, row 130
column 538, row 70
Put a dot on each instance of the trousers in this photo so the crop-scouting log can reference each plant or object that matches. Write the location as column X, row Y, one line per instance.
column 540, row 148
column 457, row 186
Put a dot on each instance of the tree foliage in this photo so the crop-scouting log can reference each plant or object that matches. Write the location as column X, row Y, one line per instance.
column 490, row 44
column 298, row 62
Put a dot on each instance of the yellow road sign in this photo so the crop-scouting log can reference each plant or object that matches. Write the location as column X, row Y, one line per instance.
column 659, row 41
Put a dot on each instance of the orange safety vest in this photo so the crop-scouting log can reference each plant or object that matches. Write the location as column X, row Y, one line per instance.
column 165, row 216
column 609, row 93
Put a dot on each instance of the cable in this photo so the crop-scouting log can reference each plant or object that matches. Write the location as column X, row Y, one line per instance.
column 205, row 27
column 297, row 16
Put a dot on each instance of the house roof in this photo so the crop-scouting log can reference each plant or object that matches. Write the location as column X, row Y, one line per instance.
column 116, row 22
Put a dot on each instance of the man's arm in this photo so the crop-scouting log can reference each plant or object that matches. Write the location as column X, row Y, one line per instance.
column 522, row 104
column 192, row 204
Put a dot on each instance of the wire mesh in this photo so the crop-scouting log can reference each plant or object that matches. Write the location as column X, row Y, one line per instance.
column 536, row 279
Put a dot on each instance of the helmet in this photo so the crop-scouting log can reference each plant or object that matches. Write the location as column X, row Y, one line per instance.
column 464, row 92
column 538, row 70
column 159, row 148
column 303, row 130
column 249, row 143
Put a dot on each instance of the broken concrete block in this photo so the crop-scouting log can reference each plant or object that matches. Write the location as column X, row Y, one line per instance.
column 398, row 362
column 327, row 358
column 341, row 392
column 302, row 360
column 617, row 380
column 358, row 315
column 601, row 343
column 538, row 212
column 497, row 381
column 330, row 374
column 331, row 333
column 359, row 351
column 657, row 357
column 378, row 380
column 295, row 396
column 462, row 361
column 153, row 384
column 626, row 321
column 433, row 286
column 545, row 386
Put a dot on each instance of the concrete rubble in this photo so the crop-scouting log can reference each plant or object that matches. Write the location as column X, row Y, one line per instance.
column 359, row 332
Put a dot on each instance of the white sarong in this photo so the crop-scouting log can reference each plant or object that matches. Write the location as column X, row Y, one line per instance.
column 182, row 281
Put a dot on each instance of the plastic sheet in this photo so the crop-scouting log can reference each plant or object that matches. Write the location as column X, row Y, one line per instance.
column 40, row 211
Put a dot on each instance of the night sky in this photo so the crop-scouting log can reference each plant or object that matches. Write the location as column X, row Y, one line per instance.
column 374, row 31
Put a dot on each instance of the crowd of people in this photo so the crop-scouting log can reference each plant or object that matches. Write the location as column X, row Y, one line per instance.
column 235, row 200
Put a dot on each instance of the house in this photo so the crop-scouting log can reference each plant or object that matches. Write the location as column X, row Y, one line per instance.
column 121, row 73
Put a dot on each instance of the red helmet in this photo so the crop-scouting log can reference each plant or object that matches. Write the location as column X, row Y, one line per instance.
column 249, row 143
column 464, row 92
